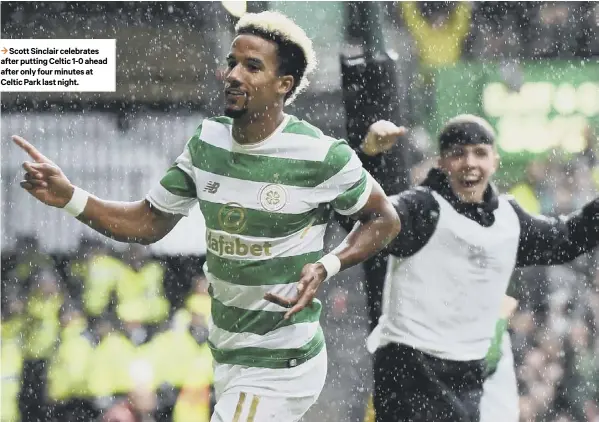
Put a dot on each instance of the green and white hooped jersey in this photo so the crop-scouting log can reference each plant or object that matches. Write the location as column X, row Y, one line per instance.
column 266, row 208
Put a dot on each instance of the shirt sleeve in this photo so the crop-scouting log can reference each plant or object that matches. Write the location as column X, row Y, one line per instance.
column 176, row 192
column 555, row 241
column 419, row 214
column 347, row 184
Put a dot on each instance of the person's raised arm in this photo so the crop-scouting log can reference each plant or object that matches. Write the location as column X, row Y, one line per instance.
column 554, row 241
column 417, row 209
column 380, row 138
column 133, row 222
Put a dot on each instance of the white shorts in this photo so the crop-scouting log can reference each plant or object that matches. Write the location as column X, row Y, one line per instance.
column 500, row 401
column 246, row 394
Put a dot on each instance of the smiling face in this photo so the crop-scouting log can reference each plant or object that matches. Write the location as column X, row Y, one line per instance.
column 253, row 85
column 469, row 169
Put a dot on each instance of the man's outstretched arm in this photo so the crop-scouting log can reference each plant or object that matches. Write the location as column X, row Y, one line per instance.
column 133, row 222
column 379, row 225
column 555, row 241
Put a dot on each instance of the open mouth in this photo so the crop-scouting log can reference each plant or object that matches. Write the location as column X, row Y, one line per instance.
column 234, row 93
column 470, row 180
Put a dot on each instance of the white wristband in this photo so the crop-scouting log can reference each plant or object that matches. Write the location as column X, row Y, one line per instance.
column 77, row 203
column 331, row 264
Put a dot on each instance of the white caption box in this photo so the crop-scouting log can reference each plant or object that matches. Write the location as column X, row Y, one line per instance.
column 57, row 65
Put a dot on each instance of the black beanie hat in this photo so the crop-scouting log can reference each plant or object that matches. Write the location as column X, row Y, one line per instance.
column 466, row 129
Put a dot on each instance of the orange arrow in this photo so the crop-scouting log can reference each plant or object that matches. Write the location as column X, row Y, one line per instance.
column 4, row 50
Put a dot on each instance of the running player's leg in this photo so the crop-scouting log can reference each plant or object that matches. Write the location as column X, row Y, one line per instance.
column 247, row 407
column 246, row 394
column 500, row 401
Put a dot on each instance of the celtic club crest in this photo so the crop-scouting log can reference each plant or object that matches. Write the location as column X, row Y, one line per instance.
column 272, row 197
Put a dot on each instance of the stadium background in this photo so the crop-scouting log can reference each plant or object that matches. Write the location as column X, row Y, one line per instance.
column 531, row 68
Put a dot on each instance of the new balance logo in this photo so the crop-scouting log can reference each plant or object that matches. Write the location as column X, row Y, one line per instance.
column 211, row 187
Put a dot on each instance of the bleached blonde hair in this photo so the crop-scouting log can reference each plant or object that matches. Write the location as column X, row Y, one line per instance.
column 279, row 28
column 472, row 118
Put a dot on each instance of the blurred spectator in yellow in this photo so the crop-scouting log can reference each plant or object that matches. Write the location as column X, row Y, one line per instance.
column 110, row 365
column 140, row 288
column 172, row 353
column 11, row 359
column 69, row 368
column 78, row 266
column 42, row 328
column 99, row 273
column 42, row 315
column 195, row 401
column 199, row 300
column 529, row 191
column 438, row 29
column 29, row 259
column 136, row 283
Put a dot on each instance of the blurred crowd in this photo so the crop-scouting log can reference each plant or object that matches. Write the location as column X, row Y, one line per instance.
column 500, row 30
column 554, row 332
column 504, row 34
column 97, row 336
